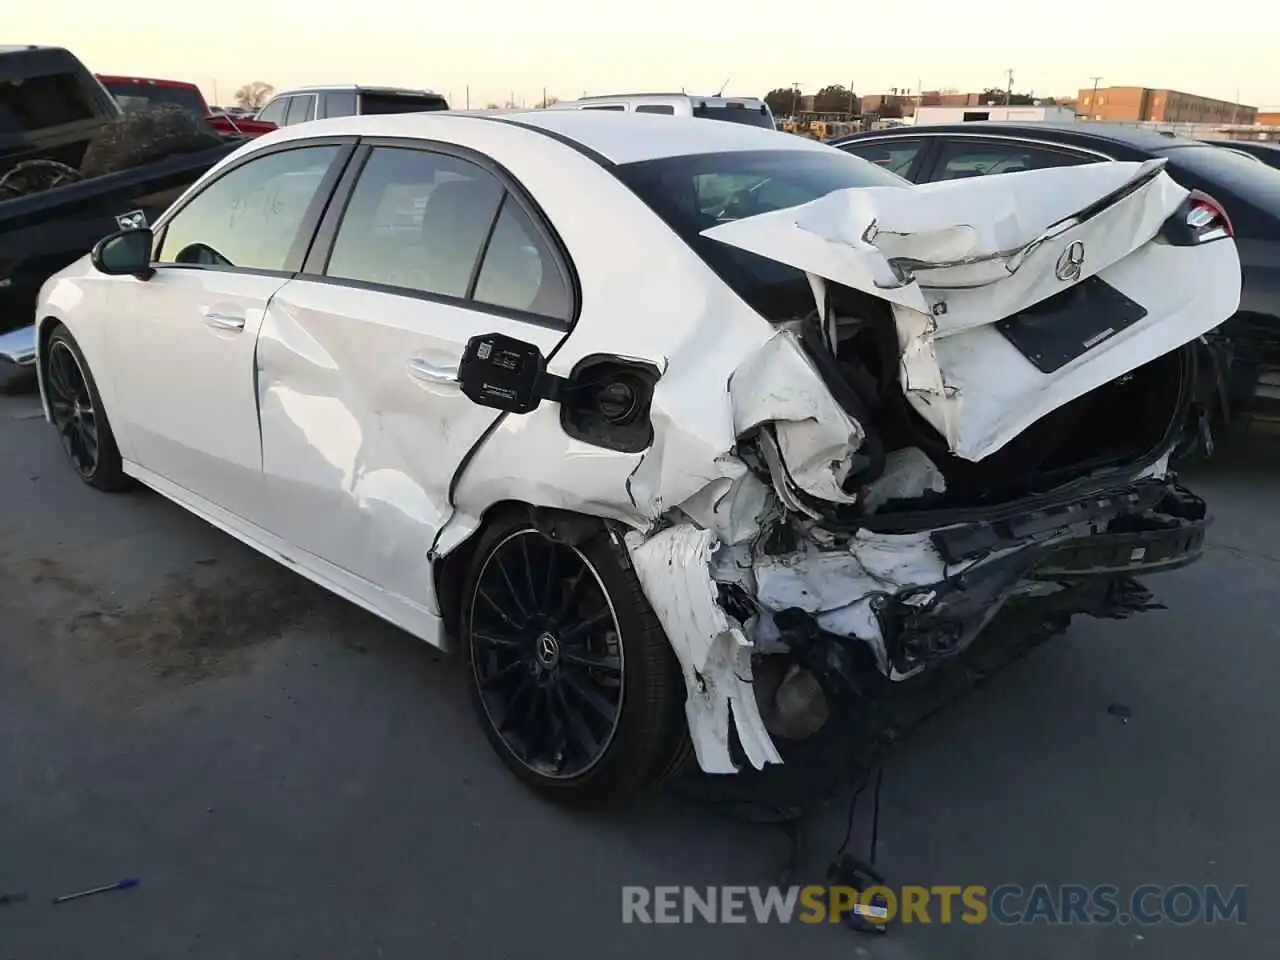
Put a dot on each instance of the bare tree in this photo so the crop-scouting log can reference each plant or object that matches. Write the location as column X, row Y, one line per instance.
column 492, row 106
column 547, row 101
column 253, row 95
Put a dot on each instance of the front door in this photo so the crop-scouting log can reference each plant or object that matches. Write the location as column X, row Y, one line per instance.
column 363, row 424
column 182, row 344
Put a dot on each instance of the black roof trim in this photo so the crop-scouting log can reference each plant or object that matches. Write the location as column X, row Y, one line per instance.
column 582, row 148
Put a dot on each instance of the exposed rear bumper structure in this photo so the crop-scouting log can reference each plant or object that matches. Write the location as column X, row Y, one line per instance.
column 862, row 614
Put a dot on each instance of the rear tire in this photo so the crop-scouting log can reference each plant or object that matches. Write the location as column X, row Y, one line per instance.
column 570, row 673
column 78, row 414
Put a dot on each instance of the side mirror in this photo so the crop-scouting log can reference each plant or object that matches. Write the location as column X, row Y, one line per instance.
column 126, row 253
column 506, row 374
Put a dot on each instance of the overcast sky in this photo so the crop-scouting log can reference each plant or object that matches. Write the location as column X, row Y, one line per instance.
column 500, row 47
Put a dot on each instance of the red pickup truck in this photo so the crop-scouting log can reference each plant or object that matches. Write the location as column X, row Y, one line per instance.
column 131, row 92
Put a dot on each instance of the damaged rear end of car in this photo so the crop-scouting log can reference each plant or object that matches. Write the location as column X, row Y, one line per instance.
column 963, row 441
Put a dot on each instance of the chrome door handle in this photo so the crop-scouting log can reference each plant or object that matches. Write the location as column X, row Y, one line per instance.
column 224, row 321
column 422, row 370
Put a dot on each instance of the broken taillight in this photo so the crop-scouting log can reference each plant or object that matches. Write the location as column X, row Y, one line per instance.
column 1208, row 218
column 1199, row 219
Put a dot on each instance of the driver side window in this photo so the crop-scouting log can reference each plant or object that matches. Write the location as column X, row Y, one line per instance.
column 248, row 218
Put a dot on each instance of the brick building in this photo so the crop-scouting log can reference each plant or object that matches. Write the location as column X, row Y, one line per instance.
column 1131, row 104
column 933, row 98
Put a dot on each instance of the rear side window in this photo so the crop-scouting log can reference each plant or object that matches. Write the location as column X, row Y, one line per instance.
column 339, row 103
column 371, row 101
column 896, row 156
column 519, row 271
column 301, row 110
column 33, row 103
column 960, row 159
column 423, row 221
column 1226, row 175
column 665, row 108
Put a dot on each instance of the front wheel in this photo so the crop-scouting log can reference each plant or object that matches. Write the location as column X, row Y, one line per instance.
column 78, row 416
column 571, row 674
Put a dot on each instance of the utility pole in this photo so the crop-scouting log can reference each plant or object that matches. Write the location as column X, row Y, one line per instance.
column 1008, row 94
column 852, row 111
column 468, row 96
column 795, row 98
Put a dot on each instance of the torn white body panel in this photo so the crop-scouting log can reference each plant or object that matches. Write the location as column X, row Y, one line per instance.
column 953, row 258
column 714, row 654
column 815, row 437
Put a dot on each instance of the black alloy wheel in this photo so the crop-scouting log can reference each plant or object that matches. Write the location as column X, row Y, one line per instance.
column 573, row 679
column 72, row 407
column 547, row 654
column 75, row 407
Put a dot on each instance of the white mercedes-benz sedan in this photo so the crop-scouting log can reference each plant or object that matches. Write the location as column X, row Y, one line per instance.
column 684, row 431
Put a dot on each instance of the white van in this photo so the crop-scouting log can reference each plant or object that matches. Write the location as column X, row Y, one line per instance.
column 749, row 110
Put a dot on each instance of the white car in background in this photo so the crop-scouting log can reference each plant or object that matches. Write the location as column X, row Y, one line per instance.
column 751, row 111
column 638, row 410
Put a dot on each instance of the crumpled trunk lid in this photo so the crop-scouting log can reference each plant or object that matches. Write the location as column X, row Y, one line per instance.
column 1014, row 294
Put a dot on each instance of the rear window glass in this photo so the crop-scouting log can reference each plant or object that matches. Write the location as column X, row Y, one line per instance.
column 1246, row 178
column 400, row 103
column 141, row 96
column 694, row 193
column 339, row 103
column 734, row 113
column 33, row 103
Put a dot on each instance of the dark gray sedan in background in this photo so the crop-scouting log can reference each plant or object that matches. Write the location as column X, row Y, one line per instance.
column 1243, row 375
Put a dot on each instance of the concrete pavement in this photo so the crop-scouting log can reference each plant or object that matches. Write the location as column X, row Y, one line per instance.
column 290, row 777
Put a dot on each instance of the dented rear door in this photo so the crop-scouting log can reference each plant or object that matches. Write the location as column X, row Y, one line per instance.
column 364, row 425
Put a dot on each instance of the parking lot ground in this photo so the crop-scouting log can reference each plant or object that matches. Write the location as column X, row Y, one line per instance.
column 291, row 777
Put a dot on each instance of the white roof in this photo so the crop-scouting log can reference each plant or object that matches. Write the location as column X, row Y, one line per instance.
column 619, row 137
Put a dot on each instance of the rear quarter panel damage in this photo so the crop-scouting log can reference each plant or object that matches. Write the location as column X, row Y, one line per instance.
column 696, row 508
column 714, row 654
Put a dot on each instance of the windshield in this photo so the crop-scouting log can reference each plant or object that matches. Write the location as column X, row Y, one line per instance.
column 694, row 193
column 734, row 113
column 140, row 96
column 400, row 102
